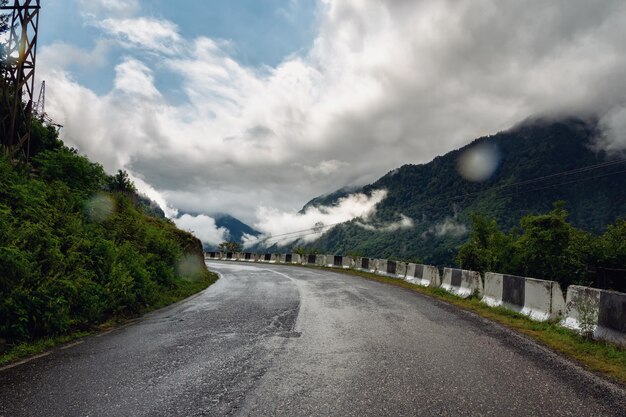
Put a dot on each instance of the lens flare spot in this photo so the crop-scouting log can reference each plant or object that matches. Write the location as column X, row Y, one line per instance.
column 478, row 163
column 100, row 207
column 190, row 267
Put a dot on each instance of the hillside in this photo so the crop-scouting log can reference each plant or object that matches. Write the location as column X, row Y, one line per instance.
column 79, row 247
column 236, row 228
column 439, row 200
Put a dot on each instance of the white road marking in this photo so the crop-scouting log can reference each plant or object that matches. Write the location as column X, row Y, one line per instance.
column 22, row 362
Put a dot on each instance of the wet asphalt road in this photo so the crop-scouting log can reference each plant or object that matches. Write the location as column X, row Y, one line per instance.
column 277, row 340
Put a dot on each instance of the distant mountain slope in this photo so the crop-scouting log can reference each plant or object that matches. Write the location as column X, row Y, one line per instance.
column 330, row 199
column 440, row 200
column 236, row 228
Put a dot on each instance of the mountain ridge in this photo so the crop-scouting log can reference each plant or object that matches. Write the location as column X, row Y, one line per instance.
column 439, row 200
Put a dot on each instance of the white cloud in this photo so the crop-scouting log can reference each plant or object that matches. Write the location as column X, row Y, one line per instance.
column 149, row 191
column 614, row 131
column 385, row 83
column 133, row 78
column 142, row 32
column 326, row 167
column 63, row 55
column 448, row 227
column 96, row 8
column 274, row 223
column 203, row 227
column 405, row 222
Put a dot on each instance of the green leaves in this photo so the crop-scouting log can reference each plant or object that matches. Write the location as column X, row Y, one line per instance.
column 121, row 182
column 73, row 254
column 229, row 247
column 77, row 172
column 548, row 247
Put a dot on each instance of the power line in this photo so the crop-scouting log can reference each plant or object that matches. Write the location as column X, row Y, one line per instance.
column 316, row 230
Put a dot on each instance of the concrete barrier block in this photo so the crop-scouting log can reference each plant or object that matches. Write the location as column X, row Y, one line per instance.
column 582, row 307
column 211, row 255
column 543, row 300
column 248, row 257
column 366, row 264
column 602, row 312
column 424, row 275
column 492, row 293
column 290, row 258
column 393, row 269
column 271, row 258
column 317, row 260
column 559, row 306
column 337, row 261
column 461, row 282
column 538, row 299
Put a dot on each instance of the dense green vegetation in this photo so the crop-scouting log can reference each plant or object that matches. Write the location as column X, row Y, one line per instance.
column 441, row 202
column 79, row 247
column 546, row 246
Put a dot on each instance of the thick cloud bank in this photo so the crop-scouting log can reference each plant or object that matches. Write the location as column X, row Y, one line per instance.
column 386, row 82
column 278, row 227
column 203, row 227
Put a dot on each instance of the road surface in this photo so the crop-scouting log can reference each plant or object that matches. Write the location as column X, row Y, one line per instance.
column 276, row 340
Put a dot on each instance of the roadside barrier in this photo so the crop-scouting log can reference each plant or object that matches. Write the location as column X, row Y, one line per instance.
column 366, row 264
column 290, row 258
column 600, row 312
column 271, row 258
column 392, row 269
column 461, row 282
column 335, row 261
column 248, row 257
column 424, row 275
column 319, row 260
column 538, row 299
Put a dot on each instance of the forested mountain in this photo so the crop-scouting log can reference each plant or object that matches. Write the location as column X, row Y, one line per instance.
column 528, row 179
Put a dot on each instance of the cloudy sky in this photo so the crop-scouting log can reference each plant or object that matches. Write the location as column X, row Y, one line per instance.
column 253, row 107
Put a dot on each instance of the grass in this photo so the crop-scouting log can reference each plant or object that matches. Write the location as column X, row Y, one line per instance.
column 596, row 356
column 24, row 350
column 184, row 290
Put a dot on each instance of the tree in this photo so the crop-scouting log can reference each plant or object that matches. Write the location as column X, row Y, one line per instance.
column 229, row 247
column 611, row 246
column 4, row 18
column 77, row 172
column 4, row 26
column 609, row 254
column 551, row 248
column 488, row 249
column 121, row 182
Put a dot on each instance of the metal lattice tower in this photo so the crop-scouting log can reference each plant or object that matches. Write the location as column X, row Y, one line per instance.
column 40, row 107
column 39, row 111
column 17, row 87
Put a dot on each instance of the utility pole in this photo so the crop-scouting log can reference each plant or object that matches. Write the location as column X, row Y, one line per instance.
column 17, row 89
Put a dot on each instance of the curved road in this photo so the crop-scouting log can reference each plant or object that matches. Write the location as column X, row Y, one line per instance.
column 278, row 340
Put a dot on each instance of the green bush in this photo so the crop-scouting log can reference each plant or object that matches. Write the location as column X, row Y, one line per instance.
column 76, row 250
column 546, row 246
